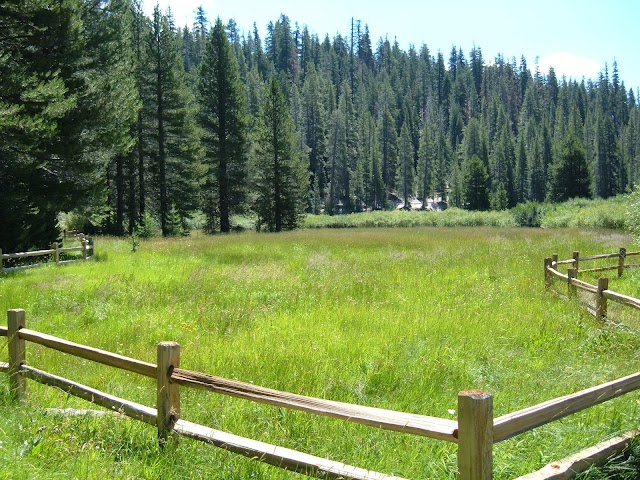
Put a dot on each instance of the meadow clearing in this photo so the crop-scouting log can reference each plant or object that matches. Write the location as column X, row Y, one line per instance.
column 401, row 319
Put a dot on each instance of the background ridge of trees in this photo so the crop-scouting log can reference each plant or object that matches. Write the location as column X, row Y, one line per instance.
column 113, row 115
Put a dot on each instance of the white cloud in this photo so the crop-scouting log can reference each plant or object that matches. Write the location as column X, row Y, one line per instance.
column 183, row 11
column 570, row 65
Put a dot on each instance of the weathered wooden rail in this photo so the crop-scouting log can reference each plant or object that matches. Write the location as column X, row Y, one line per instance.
column 475, row 431
column 601, row 290
column 56, row 252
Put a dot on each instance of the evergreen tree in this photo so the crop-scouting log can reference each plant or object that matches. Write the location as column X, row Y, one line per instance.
column 570, row 173
column 315, row 130
column 521, row 174
column 502, row 162
column 223, row 119
column 60, row 128
column 110, row 43
column 426, row 163
column 475, row 184
column 406, row 170
column 342, row 154
column 175, row 148
column 607, row 171
column 280, row 175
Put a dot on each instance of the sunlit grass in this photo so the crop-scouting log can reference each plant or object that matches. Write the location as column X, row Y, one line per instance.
column 401, row 319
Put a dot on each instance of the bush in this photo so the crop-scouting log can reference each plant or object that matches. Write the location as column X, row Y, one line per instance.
column 583, row 213
column 528, row 214
column 149, row 228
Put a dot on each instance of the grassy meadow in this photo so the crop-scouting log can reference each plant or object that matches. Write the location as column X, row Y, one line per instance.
column 400, row 318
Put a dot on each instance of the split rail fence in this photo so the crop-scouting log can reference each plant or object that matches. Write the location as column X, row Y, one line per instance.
column 475, row 431
column 601, row 290
column 56, row 252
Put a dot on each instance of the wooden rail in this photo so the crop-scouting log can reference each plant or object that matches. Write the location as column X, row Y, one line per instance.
column 89, row 353
column 475, row 431
column 438, row 428
column 86, row 247
column 601, row 290
column 624, row 299
column 130, row 409
column 278, row 456
column 507, row 426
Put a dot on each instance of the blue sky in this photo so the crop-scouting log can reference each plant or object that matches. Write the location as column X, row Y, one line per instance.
column 576, row 37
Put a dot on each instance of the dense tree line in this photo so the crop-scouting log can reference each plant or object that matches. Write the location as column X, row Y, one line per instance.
column 125, row 118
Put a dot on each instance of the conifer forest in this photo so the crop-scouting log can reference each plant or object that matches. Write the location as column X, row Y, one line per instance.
column 124, row 119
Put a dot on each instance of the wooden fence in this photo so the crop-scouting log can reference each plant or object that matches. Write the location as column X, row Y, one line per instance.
column 57, row 251
column 601, row 289
column 475, row 431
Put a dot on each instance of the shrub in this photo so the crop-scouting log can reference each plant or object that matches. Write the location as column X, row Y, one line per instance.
column 149, row 228
column 528, row 214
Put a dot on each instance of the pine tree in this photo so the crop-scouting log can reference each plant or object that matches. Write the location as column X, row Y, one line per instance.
column 406, row 171
column 111, row 43
column 58, row 129
column 607, row 166
column 502, row 162
column 426, row 163
column 175, row 149
column 223, row 119
column 280, row 174
column 475, row 184
column 570, row 172
column 315, row 130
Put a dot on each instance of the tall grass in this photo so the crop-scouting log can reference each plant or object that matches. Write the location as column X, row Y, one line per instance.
column 578, row 213
column 400, row 319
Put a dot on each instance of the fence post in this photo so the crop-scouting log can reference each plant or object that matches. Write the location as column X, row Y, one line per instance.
column 85, row 245
column 621, row 257
column 601, row 300
column 576, row 260
column 168, row 400
column 17, row 354
column 475, row 435
column 572, row 290
column 554, row 261
column 56, row 253
column 548, row 279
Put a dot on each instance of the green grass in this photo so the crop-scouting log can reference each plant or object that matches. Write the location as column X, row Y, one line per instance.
column 578, row 213
column 402, row 319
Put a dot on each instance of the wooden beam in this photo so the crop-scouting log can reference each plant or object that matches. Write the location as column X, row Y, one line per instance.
column 89, row 353
column 623, row 299
column 548, row 279
column 475, row 435
column 623, row 254
column 3, row 331
column 601, row 300
column 512, row 424
column 131, row 409
column 584, row 285
column 433, row 427
column 600, row 257
column 38, row 253
column 601, row 269
column 568, row 467
column 168, row 394
column 279, row 456
column 572, row 276
column 17, row 354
